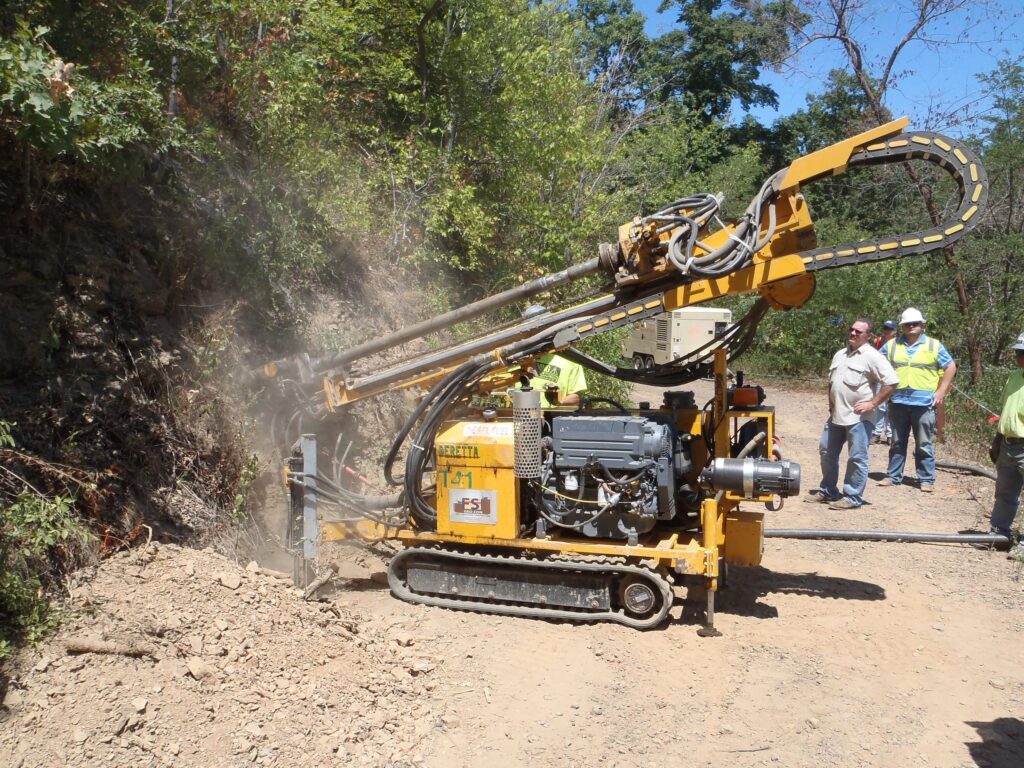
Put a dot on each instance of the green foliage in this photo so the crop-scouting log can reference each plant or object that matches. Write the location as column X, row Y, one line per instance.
column 57, row 109
column 38, row 534
column 678, row 153
column 607, row 348
column 250, row 472
column 716, row 54
column 968, row 406
column 6, row 438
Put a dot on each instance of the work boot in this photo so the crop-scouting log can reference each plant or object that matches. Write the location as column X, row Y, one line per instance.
column 843, row 504
column 885, row 482
column 927, row 488
column 817, row 497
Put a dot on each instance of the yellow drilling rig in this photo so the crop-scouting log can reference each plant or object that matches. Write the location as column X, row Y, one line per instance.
column 592, row 513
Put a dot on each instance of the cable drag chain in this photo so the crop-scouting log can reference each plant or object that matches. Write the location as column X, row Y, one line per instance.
column 952, row 156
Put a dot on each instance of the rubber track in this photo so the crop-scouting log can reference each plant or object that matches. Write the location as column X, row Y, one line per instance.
column 400, row 590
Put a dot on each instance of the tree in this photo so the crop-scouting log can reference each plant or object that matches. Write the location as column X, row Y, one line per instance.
column 716, row 55
column 997, row 256
column 841, row 21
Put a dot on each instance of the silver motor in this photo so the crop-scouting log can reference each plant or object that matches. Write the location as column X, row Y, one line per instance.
column 753, row 477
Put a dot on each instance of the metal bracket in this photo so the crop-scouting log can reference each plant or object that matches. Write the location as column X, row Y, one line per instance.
column 302, row 536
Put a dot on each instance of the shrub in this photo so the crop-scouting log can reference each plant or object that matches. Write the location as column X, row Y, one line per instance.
column 39, row 537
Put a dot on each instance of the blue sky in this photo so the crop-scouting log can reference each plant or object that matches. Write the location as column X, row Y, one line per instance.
column 937, row 89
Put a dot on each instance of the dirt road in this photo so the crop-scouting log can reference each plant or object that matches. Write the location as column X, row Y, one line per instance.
column 831, row 654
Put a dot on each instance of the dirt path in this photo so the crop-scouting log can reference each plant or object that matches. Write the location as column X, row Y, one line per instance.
column 832, row 654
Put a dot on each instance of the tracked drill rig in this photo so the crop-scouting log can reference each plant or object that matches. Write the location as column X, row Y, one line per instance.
column 594, row 513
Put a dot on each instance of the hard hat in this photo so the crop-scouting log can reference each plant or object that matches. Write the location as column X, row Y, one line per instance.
column 889, row 325
column 1020, row 343
column 911, row 315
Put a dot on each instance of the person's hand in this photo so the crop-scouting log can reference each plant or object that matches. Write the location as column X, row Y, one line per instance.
column 551, row 393
column 864, row 406
column 937, row 398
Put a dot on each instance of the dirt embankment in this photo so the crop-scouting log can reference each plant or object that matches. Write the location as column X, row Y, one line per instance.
column 198, row 661
column 838, row 654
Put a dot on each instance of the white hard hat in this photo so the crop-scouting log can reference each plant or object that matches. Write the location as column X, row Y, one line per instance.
column 1020, row 343
column 911, row 315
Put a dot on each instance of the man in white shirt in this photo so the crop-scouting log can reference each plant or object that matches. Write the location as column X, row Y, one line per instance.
column 855, row 373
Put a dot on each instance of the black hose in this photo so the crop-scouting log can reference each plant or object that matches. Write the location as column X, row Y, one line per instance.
column 371, row 501
column 587, row 401
column 454, row 385
column 995, row 540
column 414, row 417
column 967, row 468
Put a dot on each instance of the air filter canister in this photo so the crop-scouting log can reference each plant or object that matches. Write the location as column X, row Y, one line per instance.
column 526, row 424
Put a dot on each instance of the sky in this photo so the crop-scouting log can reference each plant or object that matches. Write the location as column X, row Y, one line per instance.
column 938, row 88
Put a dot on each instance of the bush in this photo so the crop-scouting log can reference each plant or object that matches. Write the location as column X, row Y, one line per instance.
column 58, row 110
column 36, row 534
column 39, row 538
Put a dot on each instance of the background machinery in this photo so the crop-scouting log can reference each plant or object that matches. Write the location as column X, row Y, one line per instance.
column 673, row 335
column 593, row 513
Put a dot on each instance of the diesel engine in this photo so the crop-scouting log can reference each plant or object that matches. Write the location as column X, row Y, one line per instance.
column 613, row 476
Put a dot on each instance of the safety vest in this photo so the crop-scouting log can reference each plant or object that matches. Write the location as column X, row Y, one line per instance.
column 919, row 372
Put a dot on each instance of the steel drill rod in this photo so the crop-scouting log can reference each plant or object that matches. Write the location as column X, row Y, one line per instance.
column 466, row 350
column 468, row 312
column 993, row 539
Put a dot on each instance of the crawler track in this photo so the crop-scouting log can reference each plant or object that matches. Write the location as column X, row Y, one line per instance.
column 569, row 590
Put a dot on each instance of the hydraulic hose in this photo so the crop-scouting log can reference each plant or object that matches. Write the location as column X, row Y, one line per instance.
column 995, row 540
column 967, row 468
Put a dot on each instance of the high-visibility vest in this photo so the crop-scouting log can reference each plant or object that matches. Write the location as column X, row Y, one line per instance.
column 922, row 371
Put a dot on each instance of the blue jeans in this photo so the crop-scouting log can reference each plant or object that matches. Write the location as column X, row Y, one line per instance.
column 856, row 438
column 1009, row 484
column 882, row 425
column 920, row 419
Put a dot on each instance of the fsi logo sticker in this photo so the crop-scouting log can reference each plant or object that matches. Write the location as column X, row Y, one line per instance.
column 469, row 505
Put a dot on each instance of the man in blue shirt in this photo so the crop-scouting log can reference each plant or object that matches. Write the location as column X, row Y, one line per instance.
column 925, row 370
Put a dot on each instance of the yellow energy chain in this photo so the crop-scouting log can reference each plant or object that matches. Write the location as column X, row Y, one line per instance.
column 952, row 156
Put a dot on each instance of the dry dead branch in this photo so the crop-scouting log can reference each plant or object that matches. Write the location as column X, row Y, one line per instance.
column 78, row 645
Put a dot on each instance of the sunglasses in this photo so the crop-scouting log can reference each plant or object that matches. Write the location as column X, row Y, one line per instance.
column 912, row 325
column 855, row 332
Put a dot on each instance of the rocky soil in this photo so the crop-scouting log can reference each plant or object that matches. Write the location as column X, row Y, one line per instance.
column 202, row 662
column 837, row 654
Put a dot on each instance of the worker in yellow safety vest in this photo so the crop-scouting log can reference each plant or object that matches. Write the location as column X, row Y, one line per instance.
column 562, row 381
column 925, row 370
column 1009, row 453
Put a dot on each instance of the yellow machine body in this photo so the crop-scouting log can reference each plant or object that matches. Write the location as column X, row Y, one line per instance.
column 478, row 499
column 477, row 491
